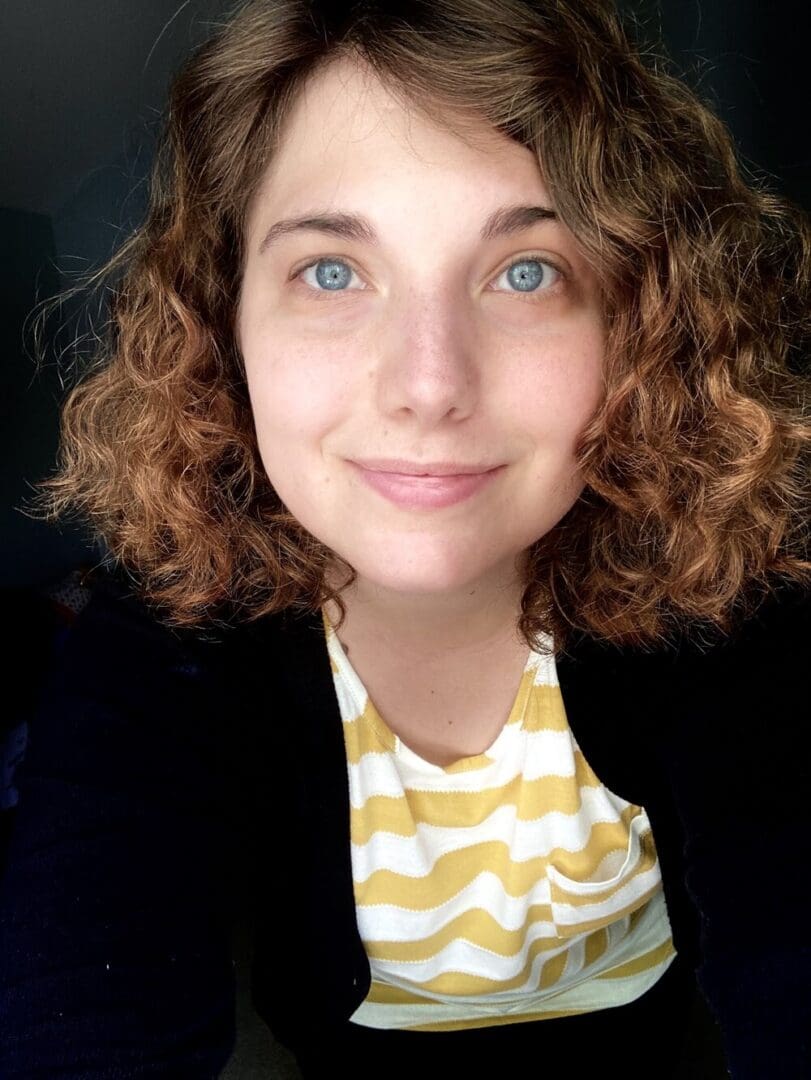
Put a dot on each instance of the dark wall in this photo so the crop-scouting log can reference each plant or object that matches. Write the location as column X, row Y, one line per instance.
column 82, row 86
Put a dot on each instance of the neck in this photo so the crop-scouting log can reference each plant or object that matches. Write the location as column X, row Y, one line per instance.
column 432, row 628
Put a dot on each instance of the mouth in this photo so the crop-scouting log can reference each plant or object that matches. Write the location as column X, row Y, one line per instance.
column 402, row 467
column 425, row 491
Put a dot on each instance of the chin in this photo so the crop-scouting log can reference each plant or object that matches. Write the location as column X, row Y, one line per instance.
column 421, row 578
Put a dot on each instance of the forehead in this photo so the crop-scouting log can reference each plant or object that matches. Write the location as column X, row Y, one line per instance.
column 348, row 129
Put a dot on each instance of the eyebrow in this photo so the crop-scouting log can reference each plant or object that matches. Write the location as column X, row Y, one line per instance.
column 502, row 222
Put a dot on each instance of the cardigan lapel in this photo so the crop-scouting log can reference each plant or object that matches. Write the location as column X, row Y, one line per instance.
column 327, row 959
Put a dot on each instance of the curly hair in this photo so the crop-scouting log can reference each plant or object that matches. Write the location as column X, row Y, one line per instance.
column 695, row 462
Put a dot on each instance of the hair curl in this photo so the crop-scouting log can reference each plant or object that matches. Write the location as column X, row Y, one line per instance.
column 696, row 461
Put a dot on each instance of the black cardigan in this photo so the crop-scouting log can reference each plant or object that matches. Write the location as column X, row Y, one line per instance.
column 174, row 781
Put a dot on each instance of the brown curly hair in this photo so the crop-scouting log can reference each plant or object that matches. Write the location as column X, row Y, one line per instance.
column 696, row 461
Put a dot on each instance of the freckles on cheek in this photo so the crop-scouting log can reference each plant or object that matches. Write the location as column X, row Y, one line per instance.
column 299, row 387
column 573, row 375
column 553, row 392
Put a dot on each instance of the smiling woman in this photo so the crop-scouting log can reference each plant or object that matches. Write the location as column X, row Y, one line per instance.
column 589, row 295
column 451, row 383
column 461, row 331
column 421, row 417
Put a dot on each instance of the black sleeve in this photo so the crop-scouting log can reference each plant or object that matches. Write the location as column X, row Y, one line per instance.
column 119, row 894
column 741, row 767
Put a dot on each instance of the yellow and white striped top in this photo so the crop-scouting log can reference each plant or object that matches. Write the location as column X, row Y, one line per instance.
column 509, row 886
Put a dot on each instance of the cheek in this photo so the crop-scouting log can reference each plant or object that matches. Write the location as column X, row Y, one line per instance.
column 294, row 389
column 558, row 388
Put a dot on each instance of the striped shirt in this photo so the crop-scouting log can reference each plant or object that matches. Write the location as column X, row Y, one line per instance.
column 508, row 886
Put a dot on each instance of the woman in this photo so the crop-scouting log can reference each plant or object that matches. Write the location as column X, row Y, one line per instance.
column 449, row 410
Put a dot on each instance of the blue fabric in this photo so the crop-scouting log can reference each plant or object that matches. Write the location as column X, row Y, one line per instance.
column 12, row 750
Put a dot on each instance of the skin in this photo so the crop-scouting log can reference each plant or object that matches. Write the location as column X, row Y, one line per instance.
column 429, row 352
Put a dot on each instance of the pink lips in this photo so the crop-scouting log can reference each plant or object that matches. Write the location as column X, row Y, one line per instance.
column 425, row 492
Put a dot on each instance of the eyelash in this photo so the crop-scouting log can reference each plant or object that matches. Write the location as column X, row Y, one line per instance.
column 533, row 298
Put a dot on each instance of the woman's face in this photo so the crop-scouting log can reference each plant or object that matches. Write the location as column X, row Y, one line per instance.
column 424, row 336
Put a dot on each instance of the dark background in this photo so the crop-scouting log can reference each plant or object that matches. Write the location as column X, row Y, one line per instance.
column 82, row 87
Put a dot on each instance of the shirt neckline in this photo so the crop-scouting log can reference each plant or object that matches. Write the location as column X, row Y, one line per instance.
column 365, row 706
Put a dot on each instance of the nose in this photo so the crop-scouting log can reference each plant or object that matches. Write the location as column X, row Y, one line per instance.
column 428, row 364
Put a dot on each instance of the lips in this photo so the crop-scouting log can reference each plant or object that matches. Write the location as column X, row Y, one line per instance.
column 402, row 467
column 426, row 492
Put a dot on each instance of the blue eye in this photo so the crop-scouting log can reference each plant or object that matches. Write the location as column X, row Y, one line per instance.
column 528, row 275
column 331, row 274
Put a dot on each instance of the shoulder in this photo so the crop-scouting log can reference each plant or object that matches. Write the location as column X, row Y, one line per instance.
column 715, row 718
column 778, row 628
column 210, row 687
column 120, row 633
column 116, row 605
column 733, row 737
column 126, row 692
column 760, row 664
